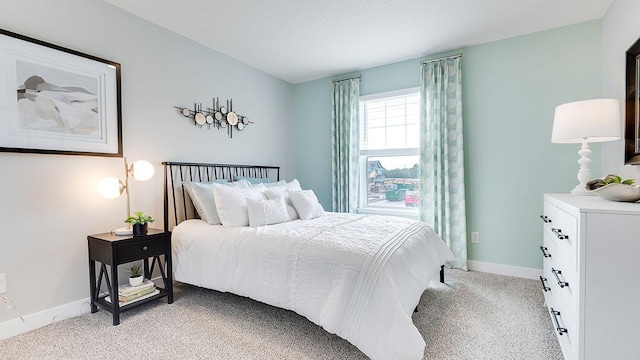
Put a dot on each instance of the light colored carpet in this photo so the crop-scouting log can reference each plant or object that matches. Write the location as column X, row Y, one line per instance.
column 473, row 316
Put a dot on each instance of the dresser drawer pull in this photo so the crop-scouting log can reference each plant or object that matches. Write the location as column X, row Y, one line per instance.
column 544, row 252
column 545, row 218
column 544, row 287
column 559, row 234
column 145, row 248
column 560, row 282
column 560, row 330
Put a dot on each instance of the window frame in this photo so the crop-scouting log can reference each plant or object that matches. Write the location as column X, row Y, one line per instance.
column 363, row 207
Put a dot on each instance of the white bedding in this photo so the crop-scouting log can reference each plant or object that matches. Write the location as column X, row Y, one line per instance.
column 357, row 276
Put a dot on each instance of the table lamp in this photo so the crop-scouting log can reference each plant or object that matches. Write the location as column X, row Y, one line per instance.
column 583, row 122
column 111, row 187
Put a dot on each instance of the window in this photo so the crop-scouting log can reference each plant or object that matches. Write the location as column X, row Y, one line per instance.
column 389, row 139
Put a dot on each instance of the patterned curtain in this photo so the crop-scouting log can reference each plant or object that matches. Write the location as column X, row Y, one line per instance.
column 441, row 154
column 345, row 144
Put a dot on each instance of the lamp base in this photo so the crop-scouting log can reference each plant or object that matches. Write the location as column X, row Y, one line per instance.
column 123, row 231
column 584, row 173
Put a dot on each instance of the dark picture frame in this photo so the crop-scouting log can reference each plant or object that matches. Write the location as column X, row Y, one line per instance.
column 632, row 106
column 55, row 100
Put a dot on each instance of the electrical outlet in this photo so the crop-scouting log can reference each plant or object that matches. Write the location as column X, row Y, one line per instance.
column 475, row 237
column 3, row 283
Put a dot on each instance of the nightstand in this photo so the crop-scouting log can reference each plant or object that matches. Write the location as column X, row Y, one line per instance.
column 113, row 250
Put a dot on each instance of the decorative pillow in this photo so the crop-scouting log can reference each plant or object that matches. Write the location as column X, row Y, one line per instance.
column 231, row 203
column 306, row 204
column 276, row 192
column 294, row 185
column 291, row 185
column 266, row 212
column 201, row 194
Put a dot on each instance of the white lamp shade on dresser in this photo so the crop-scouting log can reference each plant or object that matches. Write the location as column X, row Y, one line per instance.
column 595, row 120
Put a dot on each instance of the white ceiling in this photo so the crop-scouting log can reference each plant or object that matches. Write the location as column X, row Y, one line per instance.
column 302, row 40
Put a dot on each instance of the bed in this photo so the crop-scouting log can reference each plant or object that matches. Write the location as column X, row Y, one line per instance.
column 359, row 277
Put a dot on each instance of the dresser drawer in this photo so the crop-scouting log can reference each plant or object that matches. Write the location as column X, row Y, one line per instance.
column 565, row 288
column 565, row 328
column 546, row 286
column 548, row 216
column 565, row 234
column 565, row 260
column 140, row 249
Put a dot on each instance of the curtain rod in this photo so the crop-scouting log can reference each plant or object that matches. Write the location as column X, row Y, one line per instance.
column 347, row 78
column 442, row 58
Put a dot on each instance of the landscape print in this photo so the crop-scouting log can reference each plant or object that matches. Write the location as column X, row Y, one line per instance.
column 56, row 103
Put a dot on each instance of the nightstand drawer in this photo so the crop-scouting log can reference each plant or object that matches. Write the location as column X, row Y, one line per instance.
column 141, row 249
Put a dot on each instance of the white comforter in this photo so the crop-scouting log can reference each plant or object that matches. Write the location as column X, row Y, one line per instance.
column 357, row 276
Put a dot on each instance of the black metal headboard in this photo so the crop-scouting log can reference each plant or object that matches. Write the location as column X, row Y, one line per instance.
column 177, row 206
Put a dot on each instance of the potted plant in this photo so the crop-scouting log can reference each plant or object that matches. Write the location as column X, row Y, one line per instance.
column 135, row 275
column 139, row 222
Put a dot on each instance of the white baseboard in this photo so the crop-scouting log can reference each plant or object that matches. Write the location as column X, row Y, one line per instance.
column 499, row 269
column 31, row 322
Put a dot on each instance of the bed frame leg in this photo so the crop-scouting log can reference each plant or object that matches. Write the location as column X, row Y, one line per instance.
column 441, row 280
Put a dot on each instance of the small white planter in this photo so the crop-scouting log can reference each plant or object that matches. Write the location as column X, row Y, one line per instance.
column 135, row 281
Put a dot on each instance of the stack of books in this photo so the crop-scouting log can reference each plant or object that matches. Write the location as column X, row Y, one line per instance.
column 128, row 294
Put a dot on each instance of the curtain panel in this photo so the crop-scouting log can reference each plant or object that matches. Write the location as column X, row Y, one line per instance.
column 345, row 144
column 442, row 187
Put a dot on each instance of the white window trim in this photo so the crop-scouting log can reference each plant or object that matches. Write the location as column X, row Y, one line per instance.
column 363, row 208
column 389, row 94
column 391, row 152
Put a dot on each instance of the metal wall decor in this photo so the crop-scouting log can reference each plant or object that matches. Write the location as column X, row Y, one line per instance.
column 217, row 117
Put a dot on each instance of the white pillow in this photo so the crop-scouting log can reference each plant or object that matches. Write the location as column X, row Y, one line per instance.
column 306, row 204
column 281, row 192
column 201, row 194
column 231, row 203
column 293, row 185
column 266, row 212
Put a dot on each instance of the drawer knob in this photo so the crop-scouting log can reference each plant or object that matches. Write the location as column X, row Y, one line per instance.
column 545, row 218
column 544, row 286
column 559, row 234
column 145, row 248
column 559, row 329
column 545, row 252
column 560, row 282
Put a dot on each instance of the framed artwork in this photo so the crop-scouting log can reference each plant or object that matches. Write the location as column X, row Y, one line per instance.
column 632, row 108
column 57, row 101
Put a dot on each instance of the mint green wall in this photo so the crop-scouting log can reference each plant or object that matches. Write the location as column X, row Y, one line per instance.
column 510, row 90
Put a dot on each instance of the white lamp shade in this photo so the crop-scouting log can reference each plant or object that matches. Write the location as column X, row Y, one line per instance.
column 142, row 170
column 110, row 188
column 591, row 120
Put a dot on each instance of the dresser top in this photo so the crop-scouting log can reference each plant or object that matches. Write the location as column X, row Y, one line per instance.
column 592, row 203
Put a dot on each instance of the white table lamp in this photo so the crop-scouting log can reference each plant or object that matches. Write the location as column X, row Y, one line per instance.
column 111, row 187
column 583, row 122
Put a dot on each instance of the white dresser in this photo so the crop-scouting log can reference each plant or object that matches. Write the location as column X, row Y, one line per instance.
column 591, row 276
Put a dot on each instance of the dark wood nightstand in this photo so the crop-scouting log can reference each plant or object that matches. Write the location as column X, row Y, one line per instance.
column 113, row 250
